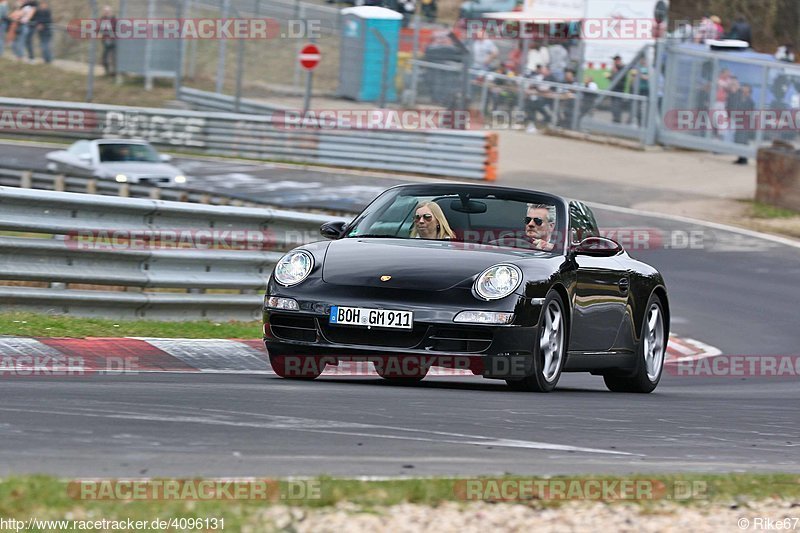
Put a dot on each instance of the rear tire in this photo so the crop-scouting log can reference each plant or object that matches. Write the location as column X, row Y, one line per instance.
column 649, row 353
column 550, row 351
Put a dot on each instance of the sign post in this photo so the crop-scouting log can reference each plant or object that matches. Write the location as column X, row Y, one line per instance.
column 309, row 59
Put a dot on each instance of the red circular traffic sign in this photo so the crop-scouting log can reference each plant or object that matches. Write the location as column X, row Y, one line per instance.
column 310, row 56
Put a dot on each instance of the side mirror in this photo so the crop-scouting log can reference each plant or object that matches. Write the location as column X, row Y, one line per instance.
column 332, row 230
column 165, row 158
column 598, row 247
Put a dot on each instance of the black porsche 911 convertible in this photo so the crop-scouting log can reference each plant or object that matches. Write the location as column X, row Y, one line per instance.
column 507, row 283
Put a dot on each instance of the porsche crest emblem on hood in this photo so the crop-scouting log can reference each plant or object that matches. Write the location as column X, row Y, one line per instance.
column 386, row 278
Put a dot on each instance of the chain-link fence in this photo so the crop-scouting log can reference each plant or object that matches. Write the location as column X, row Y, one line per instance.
column 728, row 102
column 685, row 95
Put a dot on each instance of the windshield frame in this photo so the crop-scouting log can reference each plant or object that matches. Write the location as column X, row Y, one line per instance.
column 475, row 192
column 132, row 146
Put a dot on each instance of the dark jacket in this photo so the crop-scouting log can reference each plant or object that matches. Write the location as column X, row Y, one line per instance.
column 43, row 20
column 739, row 102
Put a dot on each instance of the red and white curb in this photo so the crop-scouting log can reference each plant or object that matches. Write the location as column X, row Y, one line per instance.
column 119, row 355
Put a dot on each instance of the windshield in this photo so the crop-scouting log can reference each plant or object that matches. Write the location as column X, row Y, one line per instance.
column 118, row 153
column 482, row 216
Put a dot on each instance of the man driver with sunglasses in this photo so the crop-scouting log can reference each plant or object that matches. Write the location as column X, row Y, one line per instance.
column 539, row 226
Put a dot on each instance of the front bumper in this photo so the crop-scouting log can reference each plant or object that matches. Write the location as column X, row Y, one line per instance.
column 488, row 350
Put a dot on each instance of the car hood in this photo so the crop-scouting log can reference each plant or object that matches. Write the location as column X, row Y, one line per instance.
column 414, row 263
column 139, row 169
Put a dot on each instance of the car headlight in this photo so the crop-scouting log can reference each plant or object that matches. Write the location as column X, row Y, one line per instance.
column 294, row 267
column 180, row 179
column 498, row 282
column 121, row 178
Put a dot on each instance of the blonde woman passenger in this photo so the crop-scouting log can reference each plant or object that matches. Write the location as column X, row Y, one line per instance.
column 430, row 223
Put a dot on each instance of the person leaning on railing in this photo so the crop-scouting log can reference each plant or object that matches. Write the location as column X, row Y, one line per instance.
column 538, row 97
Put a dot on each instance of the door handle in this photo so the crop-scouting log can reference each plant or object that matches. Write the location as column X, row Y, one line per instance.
column 623, row 284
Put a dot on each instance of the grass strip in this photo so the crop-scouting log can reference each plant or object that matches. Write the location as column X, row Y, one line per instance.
column 26, row 324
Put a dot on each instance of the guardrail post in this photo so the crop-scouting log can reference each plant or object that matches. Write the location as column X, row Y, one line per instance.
column 155, row 193
column 91, row 186
column 26, row 180
column 490, row 164
column 59, row 183
column 205, row 198
column 124, row 190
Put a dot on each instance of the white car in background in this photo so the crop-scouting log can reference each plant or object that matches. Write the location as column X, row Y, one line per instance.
column 122, row 160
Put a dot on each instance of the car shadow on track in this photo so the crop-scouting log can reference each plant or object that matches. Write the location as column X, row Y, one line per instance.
column 469, row 383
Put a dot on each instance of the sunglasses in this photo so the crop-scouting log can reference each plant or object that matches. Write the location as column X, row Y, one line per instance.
column 536, row 220
column 426, row 216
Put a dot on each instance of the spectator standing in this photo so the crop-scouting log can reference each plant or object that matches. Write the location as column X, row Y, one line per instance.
column 20, row 19
column 484, row 52
column 742, row 100
column 785, row 53
column 538, row 56
column 719, row 30
column 724, row 83
column 43, row 24
column 587, row 103
column 741, row 30
column 705, row 30
column 559, row 59
column 3, row 25
column 617, row 104
column 29, row 34
column 568, row 99
column 108, row 25
column 429, row 10
column 683, row 32
column 640, row 84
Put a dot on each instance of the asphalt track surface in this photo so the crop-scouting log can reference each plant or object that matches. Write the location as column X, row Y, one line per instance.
column 733, row 291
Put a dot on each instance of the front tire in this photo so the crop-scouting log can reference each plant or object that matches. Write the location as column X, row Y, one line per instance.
column 550, row 351
column 294, row 367
column 401, row 374
column 649, row 354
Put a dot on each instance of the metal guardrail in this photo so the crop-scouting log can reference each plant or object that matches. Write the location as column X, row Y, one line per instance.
column 27, row 179
column 210, row 101
column 137, row 246
column 447, row 153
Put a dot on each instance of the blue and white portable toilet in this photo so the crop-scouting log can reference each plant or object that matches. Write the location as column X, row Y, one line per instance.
column 361, row 59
